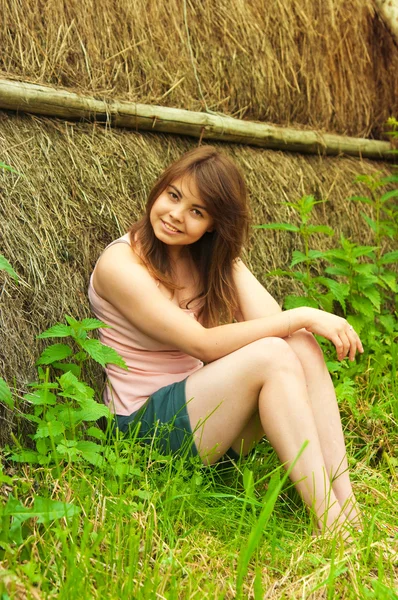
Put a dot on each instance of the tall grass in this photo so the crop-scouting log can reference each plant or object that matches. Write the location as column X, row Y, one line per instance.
column 172, row 528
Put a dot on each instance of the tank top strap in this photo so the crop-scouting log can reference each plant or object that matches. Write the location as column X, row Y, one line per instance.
column 122, row 240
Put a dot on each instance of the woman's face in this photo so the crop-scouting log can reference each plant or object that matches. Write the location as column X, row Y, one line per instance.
column 178, row 216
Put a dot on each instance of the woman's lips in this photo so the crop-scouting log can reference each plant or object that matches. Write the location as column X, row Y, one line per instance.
column 169, row 228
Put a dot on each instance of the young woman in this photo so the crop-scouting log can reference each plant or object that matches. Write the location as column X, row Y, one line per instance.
column 177, row 295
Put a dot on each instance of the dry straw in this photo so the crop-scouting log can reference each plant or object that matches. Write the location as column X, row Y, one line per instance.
column 329, row 65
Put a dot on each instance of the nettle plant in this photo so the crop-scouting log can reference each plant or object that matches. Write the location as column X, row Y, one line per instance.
column 354, row 280
column 63, row 405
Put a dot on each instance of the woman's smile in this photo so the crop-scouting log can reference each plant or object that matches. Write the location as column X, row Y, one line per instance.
column 170, row 228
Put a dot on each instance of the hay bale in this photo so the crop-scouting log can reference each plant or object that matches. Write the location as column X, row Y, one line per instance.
column 324, row 65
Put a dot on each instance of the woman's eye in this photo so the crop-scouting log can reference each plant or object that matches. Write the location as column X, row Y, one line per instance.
column 173, row 195
column 197, row 212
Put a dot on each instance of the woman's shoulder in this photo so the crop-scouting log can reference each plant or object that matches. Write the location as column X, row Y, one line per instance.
column 119, row 259
column 122, row 247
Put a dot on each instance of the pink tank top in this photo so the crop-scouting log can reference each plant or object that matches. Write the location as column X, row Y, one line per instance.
column 151, row 364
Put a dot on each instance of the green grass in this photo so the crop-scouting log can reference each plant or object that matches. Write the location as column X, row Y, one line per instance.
column 175, row 529
column 145, row 526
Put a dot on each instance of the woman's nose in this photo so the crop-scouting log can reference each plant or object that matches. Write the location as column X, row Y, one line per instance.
column 176, row 214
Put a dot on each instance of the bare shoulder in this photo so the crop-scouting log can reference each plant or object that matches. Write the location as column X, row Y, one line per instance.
column 120, row 260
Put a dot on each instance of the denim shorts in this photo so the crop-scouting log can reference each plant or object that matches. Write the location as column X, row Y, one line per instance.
column 164, row 420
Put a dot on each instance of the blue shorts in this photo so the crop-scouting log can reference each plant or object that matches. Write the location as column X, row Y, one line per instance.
column 164, row 419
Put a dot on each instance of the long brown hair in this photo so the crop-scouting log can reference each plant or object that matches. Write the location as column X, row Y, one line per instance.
column 222, row 188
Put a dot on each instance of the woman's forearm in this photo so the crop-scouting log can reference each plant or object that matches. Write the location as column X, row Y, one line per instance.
column 224, row 339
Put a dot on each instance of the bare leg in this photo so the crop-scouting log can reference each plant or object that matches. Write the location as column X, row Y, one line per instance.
column 264, row 378
column 323, row 401
column 327, row 418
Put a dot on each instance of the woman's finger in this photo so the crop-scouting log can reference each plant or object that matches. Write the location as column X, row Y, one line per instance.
column 355, row 342
column 345, row 343
column 338, row 344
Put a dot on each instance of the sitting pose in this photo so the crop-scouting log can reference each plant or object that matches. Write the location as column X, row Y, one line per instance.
column 208, row 350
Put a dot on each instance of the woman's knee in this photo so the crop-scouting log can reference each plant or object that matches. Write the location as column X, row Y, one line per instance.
column 306, row 347
column 273, row 353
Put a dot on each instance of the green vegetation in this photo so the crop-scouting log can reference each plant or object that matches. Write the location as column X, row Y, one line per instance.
column 85, row 515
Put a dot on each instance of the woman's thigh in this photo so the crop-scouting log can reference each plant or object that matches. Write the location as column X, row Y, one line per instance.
column 222, row 397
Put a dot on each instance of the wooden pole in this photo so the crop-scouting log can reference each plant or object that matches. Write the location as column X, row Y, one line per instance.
column 43, row 100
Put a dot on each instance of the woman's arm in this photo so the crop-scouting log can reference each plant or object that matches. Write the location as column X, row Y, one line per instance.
column 126, row 284
column 255, row 303
column 254, row 300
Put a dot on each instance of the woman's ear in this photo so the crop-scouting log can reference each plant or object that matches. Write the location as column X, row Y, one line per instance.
column 210, row 230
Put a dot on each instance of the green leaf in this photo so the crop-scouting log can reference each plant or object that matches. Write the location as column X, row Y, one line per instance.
column 388, row 195
column 93, row 458
column 58, row 330
column 362, row 305
column 122, row 469
column 374, row 296
column 71, row 321
column 280, row 273
column 360, row 199
column 41, row 397
column 358, row 321
column 298, row 301
column 363, row 251
column 337, row 253
column 278, row 227
column 388, row 229
column 5, row 394
column 389, row 257
column 65, row 367
column 389, row 323
column 326, row 302
column 390, row 280
column 19, row 513
column 25, row 456
column 86, row 446
column 49, row 429
column 5, row 266
column 95, row 432
column 390, row 179
column 306, row 204
column 73, row 388
column 10, row 169
column 54, row 353
column 339, row 290
column 364, row 281
column 103, row 354
column 47, row 510
column 372, row 224
column 338, row 271
column 42, row 445
column 90, row 324
column 299, row 257
column 92, row 411
column 311, row 229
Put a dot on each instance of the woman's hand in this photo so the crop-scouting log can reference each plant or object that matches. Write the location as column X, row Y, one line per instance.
column 336, row 329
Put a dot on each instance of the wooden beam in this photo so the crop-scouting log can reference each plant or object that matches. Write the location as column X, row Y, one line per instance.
column 44, row 100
